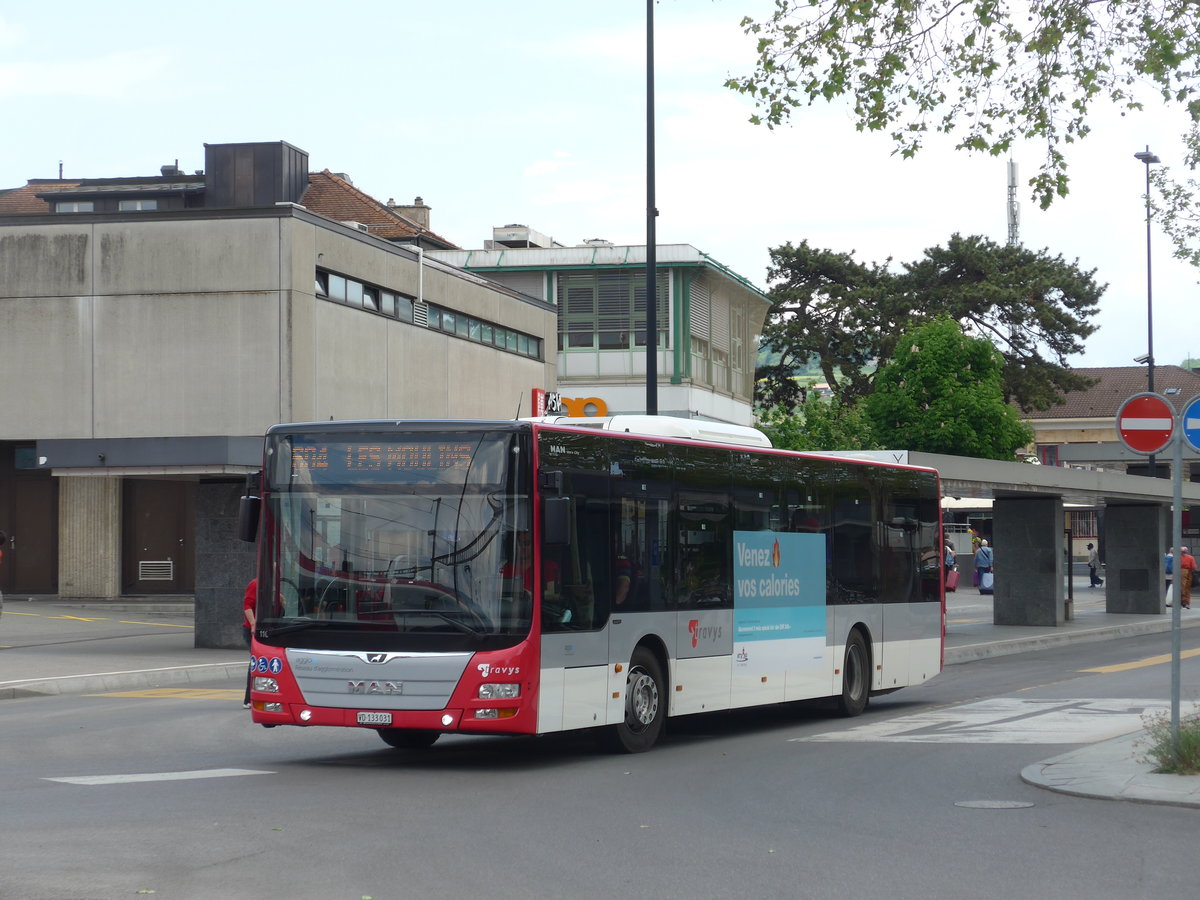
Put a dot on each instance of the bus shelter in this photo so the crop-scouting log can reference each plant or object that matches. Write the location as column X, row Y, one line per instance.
column 1028, row 525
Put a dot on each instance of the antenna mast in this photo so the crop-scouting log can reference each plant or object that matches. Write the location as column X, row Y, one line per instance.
column 1014, row 208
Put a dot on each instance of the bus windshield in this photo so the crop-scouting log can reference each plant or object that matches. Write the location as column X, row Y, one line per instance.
column 405, row 541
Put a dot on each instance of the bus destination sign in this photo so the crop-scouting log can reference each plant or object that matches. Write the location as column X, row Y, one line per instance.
column 376, row 456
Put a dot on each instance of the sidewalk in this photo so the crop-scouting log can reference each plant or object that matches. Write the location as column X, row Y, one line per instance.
column 50, row 645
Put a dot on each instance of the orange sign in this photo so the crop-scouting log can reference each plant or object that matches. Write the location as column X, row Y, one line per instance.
column 551, row 403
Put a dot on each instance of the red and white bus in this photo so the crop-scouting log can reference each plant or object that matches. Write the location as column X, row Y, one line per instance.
column 526, row 577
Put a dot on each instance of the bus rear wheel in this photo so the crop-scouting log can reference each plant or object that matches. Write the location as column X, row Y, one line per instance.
column 407, row 739
column 645, row 706
column 856, row 676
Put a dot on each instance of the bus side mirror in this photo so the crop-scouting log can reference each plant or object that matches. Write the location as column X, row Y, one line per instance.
column 556, row 521
column 249, row 509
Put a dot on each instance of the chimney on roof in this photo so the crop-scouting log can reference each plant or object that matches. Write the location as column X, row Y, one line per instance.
column 171, row 169
column 418, row 211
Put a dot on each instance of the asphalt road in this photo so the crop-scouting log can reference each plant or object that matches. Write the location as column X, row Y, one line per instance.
column 174, row 792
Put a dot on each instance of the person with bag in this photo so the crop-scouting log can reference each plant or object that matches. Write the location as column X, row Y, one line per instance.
column 951, row 570
column 1187, row 572
column 983, row 567
column 1094, row 566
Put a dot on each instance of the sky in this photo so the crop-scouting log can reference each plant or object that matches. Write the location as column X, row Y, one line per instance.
column 534, row 113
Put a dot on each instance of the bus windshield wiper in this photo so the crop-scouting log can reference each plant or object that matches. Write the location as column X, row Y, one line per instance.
column 449, row 619
column 299, row 625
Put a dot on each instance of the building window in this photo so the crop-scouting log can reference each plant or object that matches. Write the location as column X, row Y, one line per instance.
column 340, row 289
column 478, row 331
column 1083, row 523
column 337, row 288
column 607, row 310
column 1048, row 454
column 74, row 206
column 137, row 205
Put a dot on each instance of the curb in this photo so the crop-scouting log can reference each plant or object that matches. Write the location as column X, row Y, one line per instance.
column 987, row 649
column 1111, row 771
column 113, row 681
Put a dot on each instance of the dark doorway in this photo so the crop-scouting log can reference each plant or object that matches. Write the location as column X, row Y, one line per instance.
column 29, row 518
column 158, row 539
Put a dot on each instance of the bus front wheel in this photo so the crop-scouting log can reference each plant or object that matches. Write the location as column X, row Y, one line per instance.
column 856, row 676
column 645, row 706
column 406, row 739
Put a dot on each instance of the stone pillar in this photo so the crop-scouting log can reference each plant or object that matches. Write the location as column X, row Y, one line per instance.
column 224, row 565
column 1136, row 537
column 1028, row 544
column 89, row 537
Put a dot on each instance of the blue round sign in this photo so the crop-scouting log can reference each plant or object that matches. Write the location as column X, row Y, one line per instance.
column 1191, row 423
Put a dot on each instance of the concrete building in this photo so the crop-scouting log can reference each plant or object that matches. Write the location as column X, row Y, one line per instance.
column 708, row 320
column 152, row 328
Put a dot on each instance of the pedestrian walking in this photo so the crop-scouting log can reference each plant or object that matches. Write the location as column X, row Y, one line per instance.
column 1187, row 569
column 983, row 566
column 1094, row 566
column 249, row 616
column 1168, row 566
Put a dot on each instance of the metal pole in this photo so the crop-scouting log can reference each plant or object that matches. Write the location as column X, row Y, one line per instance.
column 1177, row 543
column 1148, row 158
column 651, row 237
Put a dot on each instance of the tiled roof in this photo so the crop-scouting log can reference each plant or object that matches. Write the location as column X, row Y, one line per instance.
column 1116, row 385
column 24, row 200
column 332, row 196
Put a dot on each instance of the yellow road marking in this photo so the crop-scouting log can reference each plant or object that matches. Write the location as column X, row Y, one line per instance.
column 80, row 618
column 1142, row 663
column 178, row 693
column 158, row 624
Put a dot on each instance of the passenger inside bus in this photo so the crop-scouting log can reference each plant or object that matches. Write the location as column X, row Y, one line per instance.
column 518, row 575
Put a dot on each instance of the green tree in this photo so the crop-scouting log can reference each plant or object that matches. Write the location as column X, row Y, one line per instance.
column 986, row 72
column 848, row 315
column 819, row 424
column 942, row 394
column 826, row 308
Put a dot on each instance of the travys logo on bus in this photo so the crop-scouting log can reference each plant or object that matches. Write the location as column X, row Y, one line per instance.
column 704, row 633
column 487, row 670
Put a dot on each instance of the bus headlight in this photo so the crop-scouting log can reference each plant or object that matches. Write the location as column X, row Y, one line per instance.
column 499, row 691
column 269, row 685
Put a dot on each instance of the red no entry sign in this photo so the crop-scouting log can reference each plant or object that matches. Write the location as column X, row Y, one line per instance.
column 1145, row 423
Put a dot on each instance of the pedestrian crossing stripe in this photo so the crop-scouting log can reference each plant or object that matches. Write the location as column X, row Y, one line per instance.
column 178, row 693
column 1009, row 720
column 143, row 777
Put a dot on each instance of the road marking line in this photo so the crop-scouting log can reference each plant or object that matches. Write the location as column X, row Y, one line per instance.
column 157, row 624
column 181, row 693
column 1142, row 663
column 157, row 776
column 81, row 618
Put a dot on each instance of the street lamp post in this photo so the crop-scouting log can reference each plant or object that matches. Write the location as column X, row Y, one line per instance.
column 1149, row 159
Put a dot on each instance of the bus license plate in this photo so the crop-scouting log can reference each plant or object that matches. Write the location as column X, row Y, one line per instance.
column 374, row 718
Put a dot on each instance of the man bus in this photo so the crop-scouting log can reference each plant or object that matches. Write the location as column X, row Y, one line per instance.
column 525, row 577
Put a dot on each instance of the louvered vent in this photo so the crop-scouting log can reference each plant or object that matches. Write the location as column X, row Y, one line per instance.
column 156, row 570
